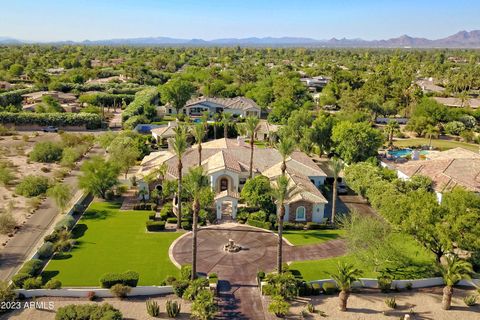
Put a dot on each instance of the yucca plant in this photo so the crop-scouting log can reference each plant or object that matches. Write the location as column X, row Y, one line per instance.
column 153, row 309
column 391, row 303
column 310, row 308
column 173, row 308
column 470, row 300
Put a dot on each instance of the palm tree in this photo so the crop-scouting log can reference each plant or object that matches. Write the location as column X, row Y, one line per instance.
column 285, row 146
column 281, row 193
column 252, row 127
column 216, row 117
column 337, row 166
column 391, row 127
column 344, row 278
column 430, row 133
column 453, row 271
column 226, row 118
column 199, row 134
column 196, row 183
column 179, row 145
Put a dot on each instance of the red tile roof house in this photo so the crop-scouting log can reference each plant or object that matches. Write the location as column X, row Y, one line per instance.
column 226, row 163
column 447, row 169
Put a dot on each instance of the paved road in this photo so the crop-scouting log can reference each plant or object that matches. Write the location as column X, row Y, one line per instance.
column 30, row 235
column 238, row 293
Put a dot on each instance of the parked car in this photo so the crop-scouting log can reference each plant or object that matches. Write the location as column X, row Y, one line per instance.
column 342, row 188
column 50, row 129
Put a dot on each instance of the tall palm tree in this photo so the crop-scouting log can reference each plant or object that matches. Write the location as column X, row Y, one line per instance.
column 453, row 271
column 285, row 146
column 430, row 133
column 252, row 127
column 391, row 127
column 216, row 117
column 199, row 134
column 282, row 192
column 344, row 277
column 196, row 182
column 337, row 166
column 179, row 145
column 226, row 119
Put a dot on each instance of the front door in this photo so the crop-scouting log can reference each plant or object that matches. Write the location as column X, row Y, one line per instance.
column 223, row 184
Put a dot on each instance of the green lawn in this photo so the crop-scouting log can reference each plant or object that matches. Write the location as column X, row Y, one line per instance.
column 436, row 143
column 420, row 263
column 303, row 237
column 110, row 240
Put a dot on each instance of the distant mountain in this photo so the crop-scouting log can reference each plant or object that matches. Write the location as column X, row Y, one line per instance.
column 462, row 39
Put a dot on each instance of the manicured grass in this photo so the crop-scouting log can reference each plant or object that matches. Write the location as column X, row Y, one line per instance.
column 110, row 240
column 436, row 143
column 419, row 263
column 303, row 237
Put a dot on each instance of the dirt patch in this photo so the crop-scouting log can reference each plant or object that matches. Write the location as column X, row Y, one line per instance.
column 131, row 308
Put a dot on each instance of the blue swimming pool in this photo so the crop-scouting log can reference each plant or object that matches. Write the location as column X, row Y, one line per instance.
column 402, row 153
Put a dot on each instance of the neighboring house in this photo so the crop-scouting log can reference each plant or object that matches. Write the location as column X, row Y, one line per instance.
column 447, row 169
column 315, row 83
column 458, row 103
column 226, row 163
column 4, row 85
column 36, row 97
column 120, row 78
column 163, row 133
column 428, row 86
column 266, row 131
column 239, row 106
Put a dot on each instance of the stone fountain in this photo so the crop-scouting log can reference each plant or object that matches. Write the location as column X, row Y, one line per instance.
column 231, row 246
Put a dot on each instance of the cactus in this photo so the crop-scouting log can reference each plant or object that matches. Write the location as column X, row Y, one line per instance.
column 173, row 308
column 310, row 308
column 153, row 309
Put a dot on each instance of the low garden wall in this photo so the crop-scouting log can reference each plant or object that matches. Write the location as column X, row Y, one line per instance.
column 402, row 284
column 102, row 293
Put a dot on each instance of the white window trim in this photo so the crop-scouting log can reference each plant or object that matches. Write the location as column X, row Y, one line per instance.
column 304, row 214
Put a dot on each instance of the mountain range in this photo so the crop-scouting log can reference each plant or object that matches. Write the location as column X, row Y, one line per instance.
column 462, row 39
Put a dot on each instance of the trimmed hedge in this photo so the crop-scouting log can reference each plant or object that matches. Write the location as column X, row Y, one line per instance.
column 89, row 120
column 129, row 278
column 259, row 224
column 88, row 311
column 32, row 267
column 155, row 225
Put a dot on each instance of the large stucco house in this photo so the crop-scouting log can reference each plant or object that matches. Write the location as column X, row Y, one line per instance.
column 226, row 162
column 238, row 106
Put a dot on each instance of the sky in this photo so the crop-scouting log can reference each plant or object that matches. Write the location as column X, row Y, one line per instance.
column 54, row 20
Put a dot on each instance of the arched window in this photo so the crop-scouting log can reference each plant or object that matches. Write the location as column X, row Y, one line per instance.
column 223, row 184
column 300, row 214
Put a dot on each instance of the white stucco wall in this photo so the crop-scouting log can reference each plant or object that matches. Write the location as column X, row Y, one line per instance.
column 318, row 212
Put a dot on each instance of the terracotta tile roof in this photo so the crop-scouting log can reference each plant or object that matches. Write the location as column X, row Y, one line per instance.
column 455, row 102
column 447, row 170
column 239, row 103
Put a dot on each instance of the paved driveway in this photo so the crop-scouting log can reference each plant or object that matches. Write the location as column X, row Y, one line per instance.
column 240, row 298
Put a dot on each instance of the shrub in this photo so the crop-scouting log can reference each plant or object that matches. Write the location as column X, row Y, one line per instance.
column 409, row 286
column 46, row 250
column 120, row 291
column 88, row 311
column 151, row 216
column 19, row 279
column 470, row 300
column 32, row 186
column 6, row 294
column 169, row 280
column 91, row 121
column 129, row 278
column 279, row 306
column 195, row 287
column 32, row 283
column 153, row 309
column 259, row 224
column 391, row 302
column 67, row 223
column 315, row 226
column 32, row 267
column 46, row 152
column 293, row 226
column 316, row 288
column 53, row 284
column 186, row 225
column 260, row 275
column 6, row 174
column 91, row 296
column 329, row 288
column 179, row 287
column 385, row 284
column 172, row 308
column 204, row 307
column 186, row 272
column 7, row 223
column 69, row 156
column 310, row 308
column 454, row 127
column 155, row 225
column 172, row 220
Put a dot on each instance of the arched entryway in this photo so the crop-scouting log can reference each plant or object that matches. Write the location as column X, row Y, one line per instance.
column 226, row 203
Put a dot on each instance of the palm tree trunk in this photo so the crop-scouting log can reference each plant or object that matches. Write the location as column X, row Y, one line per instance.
column 281, row 216
column 447, row 297
column 430, row 142
column 251, row 157
column 343, row 298
column 283, row 167
column 200, row 154
column 215, row 130
column 194, row 240
column 179, row 194
column 334, row 200
column 225, row 130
